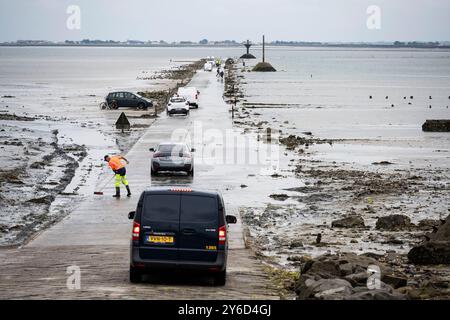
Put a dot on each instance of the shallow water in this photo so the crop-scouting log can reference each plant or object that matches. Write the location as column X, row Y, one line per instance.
column 327, row 92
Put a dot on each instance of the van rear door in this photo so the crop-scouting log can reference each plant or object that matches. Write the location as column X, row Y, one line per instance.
column 199, row 221
column 160, row 223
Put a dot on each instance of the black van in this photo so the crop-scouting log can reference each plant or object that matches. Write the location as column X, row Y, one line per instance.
column 177, row 227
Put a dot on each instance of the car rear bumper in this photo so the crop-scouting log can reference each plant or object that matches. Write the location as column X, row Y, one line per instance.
column 158, row 166
column 215, row 266
column 178, row 111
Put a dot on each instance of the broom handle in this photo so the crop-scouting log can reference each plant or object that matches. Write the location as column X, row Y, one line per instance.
column 106, row 183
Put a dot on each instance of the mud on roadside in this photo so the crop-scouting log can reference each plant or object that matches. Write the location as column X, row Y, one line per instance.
column 37, row 168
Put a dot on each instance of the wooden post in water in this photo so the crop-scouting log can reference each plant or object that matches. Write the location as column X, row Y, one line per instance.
column 264, row 51
column 232, row 105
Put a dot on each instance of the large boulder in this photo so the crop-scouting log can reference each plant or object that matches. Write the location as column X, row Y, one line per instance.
column 351, row 221
column 436, row 250
column 393, row 222
column 342, row 276
column 376, row 294
column 324, row 289
column 442, row 125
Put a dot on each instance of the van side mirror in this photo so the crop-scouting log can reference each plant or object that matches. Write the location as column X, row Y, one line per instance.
column 193, row 150
column 231, row 219
column 131, row 215
column 151, row 149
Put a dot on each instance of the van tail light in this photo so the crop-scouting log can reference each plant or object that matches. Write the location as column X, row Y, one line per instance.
column 136, row 231
column 222, row 235
column 157, row 155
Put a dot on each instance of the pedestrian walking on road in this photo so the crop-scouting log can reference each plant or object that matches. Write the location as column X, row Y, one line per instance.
column 116, row 163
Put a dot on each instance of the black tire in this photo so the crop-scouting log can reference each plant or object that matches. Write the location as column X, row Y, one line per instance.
column 141, row 105
column 220, row 279
column 114, row 105
column 191, row 173
column 135, row 275
column 153, row 173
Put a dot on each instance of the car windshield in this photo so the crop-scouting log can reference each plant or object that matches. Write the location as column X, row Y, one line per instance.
column 172, row 148
column 177, row 100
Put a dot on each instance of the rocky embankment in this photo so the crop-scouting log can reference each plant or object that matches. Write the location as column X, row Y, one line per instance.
column 342, row 219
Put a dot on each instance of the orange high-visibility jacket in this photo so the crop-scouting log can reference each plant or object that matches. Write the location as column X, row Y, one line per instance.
column 115, row 163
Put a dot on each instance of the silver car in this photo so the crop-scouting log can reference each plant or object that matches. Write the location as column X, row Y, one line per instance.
column 172, row 156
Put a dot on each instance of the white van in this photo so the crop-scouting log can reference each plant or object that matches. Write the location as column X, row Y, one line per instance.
column 190, row 94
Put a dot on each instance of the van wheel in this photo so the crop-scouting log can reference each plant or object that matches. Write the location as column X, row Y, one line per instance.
column 221, row 278
column 140, row 106
column 135, row 275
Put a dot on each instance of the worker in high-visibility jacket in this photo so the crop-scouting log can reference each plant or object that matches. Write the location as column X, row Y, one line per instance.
column 116, row 163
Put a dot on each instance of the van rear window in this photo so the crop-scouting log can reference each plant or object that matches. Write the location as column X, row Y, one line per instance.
column 161, row 207
column 199, row 209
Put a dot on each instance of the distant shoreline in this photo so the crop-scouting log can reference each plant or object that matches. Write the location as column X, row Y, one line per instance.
column 312, row 45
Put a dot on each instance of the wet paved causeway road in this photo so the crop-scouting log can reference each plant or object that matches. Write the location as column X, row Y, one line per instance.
column 95, row 237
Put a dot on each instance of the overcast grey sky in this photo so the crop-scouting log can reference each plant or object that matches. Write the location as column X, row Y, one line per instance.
column 172, row 20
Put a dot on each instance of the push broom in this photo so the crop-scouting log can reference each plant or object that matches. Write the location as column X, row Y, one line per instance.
column 100, row 192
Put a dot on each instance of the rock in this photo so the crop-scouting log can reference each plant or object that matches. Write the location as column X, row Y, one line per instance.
column 43, row 200
column 263, row 67
column 346, row 269
column 436, row 250
column 396, row 281
column 351, row 221
column 37, row 165
column 296, row 244
column 324, row 289
column 382, row 163
column 393, row 222
column 376, row 294
column 394, row 240
column 340, row 276
column 428, row 224
column 324, row 269
column 280, row 197
column 357, row 279
column 430, row 253
column 328, row 266
column 436, row 125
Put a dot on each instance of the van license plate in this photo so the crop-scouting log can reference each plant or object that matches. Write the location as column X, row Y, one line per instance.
column 160, row 239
